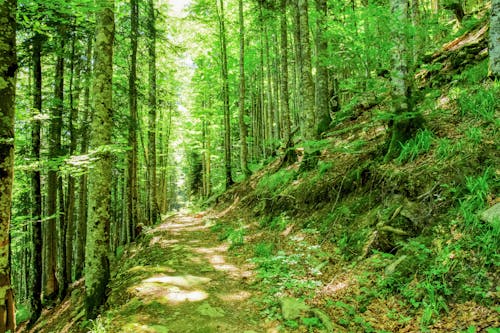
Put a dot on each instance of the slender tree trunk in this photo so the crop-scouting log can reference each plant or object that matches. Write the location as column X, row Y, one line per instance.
column 8, row 68
column 225, row 95
column 402, row 128
column 35, row 280
column 81, row 227
column 51, row 287
column 494, row 49
column 285, row 106
column 74, row 94
column 306, row 72
column 243, row 126
column 97, row 246
column 132, row 191
column 152, row 115
column 322, row 110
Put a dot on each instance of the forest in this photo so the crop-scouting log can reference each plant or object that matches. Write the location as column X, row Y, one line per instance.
column 249, row 166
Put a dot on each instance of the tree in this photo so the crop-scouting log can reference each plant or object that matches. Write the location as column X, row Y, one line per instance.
column 285, row 106
column 405, row 121
column 243, row 126
column 225, row 93
column 132, row 193
column 100, row 177
column 35, row 280
column 153, row 204
column 322, row 109
column 8, row 68
column 495, row 39
column 306, row 72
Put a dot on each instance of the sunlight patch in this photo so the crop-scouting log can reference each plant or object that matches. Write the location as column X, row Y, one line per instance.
column 186, row 281
column 234, row 297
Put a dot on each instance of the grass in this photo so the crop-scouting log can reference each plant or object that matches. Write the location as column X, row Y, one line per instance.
column 420, row 144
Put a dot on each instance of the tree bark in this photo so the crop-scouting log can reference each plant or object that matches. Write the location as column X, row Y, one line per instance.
column 285, row 106
column 8, row 68
column 225, row 95
column 241, row 116
column 51, row 287
column 321, row 105
column 132, row 191
column 35, row 272
column 152, row 115
column 306, row 73
column 81, row 227
column 494, row 49
column 100, row 177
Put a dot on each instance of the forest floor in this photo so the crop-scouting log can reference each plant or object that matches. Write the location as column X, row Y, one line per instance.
column 180, row 279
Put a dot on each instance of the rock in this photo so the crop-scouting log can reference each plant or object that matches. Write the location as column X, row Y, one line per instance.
column 389, row 270
column 292, row 308
column 492, row 215
column 207, row 310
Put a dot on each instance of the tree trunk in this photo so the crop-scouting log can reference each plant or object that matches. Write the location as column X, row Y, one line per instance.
column 152, row 115
column 322, row 110
column 74, row 94
column 35, row 273
column 132, row 191
column 241, row 116
column 405, row 122
column 97, row 245
column 51, row 287
column 306, row 72
column 225, row 95
column 81, row 227
column 8, row 68
column 494, row 48
column 285, row 106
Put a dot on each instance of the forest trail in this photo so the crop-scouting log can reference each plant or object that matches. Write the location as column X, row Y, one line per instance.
column 180, row 279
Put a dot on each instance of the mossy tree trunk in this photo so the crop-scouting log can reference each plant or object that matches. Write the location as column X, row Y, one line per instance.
column 241, row 115
column 81, row 226
column 321, row 105
column 132, row 189
column 35, row 279
column 8, row 68
column 153, row 197
column 284, row 93
column 494, row 49
column 100, row 180
column 306, row 73
column 225, row 93
column 405, row 121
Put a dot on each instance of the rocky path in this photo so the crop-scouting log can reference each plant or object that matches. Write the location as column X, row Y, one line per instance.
column 177, row 279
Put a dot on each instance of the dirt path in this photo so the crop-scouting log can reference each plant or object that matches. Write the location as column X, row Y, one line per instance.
column 180, row 279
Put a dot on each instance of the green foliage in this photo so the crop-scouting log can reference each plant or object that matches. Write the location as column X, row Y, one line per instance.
column 474, row 74
column 22, row 313
column 480, row 103
column 455, row 261
column 416, row 146
column 263, row 250
column 275, row 182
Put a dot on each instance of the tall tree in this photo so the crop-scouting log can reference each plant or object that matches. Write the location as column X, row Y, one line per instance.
column 405, row 120
column 100, row 177
column 494, row 49
column 225, row 92
column 51, row 286
column 306, row 72
column 8, row 68
column 153, row 204
column 285, row 106
column 241, row 116
column 81, row 226
column 322, row 110
column 35, row 280
column 132, row 189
